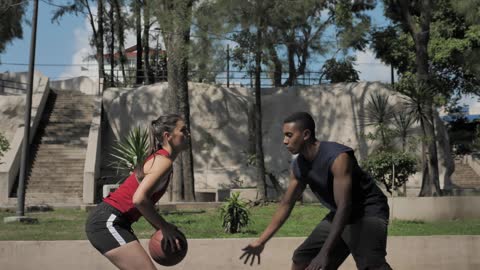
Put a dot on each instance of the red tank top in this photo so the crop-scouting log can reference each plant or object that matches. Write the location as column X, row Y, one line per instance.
column 122, row 198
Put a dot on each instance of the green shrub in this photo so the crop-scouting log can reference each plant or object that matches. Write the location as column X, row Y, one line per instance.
column 4, row 145
column 234, row 214
column 380, row 166
column 129, row 151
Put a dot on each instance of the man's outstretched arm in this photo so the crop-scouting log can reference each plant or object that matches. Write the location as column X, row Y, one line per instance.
column 294, row 191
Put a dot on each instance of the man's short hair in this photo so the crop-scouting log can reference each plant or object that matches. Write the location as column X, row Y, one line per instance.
column 303, row 120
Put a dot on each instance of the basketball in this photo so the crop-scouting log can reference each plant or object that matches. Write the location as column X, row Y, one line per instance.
column 166, row 257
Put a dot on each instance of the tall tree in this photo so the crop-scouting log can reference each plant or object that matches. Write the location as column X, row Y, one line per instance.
column 175, row 20
column 415, row 17
column 250, row 16
column 260, row 160
column 137, row 10
column 432, row 48
column 12, row 13
column 110, row 39
column 120, row 23
column 146, row 40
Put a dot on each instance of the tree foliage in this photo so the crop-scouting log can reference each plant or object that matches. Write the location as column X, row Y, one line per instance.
column 337, row 71
column 12, row 14
column 454, row 44
column 4, row 145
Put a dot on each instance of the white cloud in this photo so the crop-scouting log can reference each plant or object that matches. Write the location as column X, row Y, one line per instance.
column 80, row 65
column 372, row 69
column 83, row 64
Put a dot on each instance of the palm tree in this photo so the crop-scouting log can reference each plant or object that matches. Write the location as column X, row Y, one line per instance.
column 403, row 123
column 379, row 114
column 419, row 103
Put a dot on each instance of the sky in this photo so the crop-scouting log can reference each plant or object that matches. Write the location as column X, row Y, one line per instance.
column 62, row 48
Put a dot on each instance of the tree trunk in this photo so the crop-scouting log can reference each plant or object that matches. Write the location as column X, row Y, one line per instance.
column 177, row 38
column 292, row 70
column 121, row 38
column 146, row 39
column 420, row 32
column 421, row 38
column 99, row 41
column 277, row 64
column 431, row 184
column 259, row 157
column 112, row 45
column 138, row 27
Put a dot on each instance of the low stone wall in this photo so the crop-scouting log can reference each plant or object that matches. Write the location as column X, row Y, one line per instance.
column 409, row 253
column 434, row 208
column 10, row 163
column 83, row 84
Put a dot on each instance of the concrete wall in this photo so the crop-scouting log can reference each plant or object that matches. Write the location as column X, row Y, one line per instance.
column 404, row 253
column 91, row 170
column 83, row 84
column 434, row 208
column 221, row 117
column 10, row 162
column 17, row 82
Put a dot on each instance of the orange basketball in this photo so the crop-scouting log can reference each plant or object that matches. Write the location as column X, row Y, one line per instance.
column 166, row 257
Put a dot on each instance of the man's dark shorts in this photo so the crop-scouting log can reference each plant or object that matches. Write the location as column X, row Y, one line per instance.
column 366, row 239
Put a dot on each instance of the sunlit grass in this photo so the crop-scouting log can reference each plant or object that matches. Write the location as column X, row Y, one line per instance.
column 68, row 224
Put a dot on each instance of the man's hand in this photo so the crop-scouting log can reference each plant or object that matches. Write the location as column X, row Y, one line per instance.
column 251, row 251
column 320, row 262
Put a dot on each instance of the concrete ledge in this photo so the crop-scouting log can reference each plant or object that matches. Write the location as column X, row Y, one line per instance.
column 409, row 253
column 9, row 169
column 434, row 208
column 83, row 84
column 92, row 157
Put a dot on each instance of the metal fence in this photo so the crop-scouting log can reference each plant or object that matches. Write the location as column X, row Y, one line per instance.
column 225, row 78
column 12, row 87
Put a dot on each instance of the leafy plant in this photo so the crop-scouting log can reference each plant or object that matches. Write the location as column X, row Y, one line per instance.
column 129, row 151
column 340, row 71
column 4, row 145
column 382, row 164
column 234, row 214
column 379, row 114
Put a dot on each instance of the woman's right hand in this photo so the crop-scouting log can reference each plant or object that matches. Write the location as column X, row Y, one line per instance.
column 171, row 236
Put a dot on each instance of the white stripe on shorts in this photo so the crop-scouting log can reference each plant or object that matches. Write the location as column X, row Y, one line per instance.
column 113, row 231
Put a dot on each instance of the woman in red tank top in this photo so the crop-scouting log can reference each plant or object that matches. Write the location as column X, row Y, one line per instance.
column 108, row 226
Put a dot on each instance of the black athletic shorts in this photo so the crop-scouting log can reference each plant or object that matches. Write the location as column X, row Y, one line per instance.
column 366, row 239
column 107, row 228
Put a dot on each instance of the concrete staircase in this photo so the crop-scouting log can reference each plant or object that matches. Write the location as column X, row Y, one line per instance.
column 465, row 180
column 58, row 150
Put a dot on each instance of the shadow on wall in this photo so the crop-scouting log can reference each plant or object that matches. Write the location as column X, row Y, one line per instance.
column 218, row 123
column 220, row 119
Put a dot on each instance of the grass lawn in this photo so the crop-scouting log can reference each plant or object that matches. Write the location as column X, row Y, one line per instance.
column 68, row 224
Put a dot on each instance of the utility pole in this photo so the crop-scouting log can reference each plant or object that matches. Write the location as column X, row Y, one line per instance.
column 20, row 217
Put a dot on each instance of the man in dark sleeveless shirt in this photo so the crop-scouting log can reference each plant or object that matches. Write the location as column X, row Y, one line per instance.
column 358, row 218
